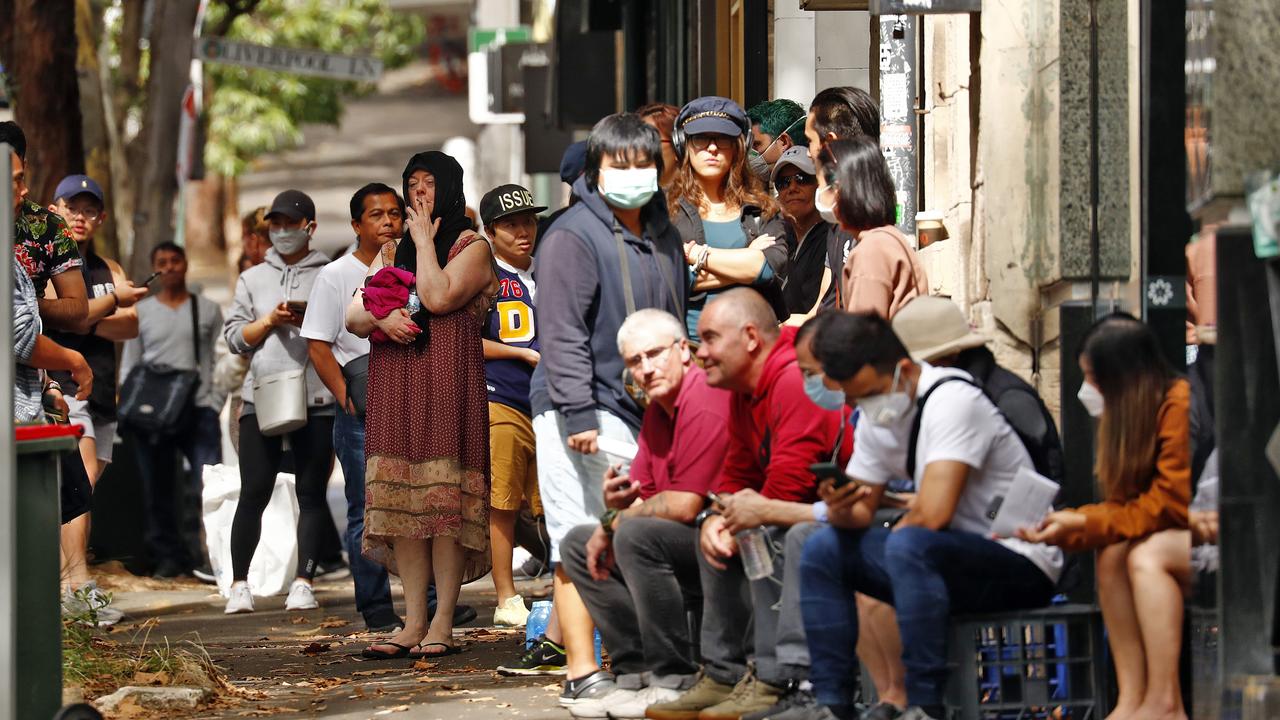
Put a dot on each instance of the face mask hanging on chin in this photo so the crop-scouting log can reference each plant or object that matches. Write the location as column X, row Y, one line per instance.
column 887, row 408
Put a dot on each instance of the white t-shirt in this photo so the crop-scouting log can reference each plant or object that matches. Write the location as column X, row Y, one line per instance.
column 960, row 423
column 326, row 317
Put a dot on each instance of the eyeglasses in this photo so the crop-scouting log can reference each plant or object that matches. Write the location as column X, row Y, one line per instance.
column 802, row 179
column 89, row 214
column 654, row 356
column 704, row 141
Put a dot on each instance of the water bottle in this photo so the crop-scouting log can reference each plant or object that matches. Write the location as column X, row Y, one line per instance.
column 536, row 626
column 599, row 659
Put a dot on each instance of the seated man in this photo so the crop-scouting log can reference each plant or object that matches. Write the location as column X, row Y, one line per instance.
column 637, row 570
column 939, row 559
column 775, row 434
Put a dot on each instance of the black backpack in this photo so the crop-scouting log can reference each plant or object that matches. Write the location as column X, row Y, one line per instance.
column 1035, row 429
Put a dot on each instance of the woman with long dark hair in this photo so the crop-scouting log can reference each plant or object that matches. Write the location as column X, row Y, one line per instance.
column 1140, row 529
column 731, row 226
column 427, row 436
column 882, row 273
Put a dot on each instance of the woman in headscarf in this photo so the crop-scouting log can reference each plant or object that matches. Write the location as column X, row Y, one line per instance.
column 427, row 428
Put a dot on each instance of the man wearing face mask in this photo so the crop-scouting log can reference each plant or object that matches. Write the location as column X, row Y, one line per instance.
column 612, row 253
column 776, row 126
column 939, row 559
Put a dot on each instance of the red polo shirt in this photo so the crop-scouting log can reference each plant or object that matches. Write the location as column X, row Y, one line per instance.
column 683, row 451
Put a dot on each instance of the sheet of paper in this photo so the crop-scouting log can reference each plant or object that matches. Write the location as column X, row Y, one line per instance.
column 1029, row 499
column 619, row 449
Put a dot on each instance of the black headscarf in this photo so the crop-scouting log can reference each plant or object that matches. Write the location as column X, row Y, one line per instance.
column 450, row 207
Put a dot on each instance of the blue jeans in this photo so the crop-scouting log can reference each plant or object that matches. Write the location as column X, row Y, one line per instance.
column 373, row 591
column 927, row 575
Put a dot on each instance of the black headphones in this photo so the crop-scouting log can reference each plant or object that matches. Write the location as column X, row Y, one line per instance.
column 678, row 137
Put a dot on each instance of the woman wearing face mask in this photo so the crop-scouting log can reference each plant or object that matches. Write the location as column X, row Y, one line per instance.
column 265, row 323
column 731, row 227
column 882, row 273
column 427, row 413
column 1140, row 529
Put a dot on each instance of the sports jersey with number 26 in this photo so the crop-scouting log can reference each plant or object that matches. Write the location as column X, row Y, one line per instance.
column 511, row 323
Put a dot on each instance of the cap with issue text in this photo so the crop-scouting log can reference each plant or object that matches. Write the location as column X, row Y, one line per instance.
column 506, row 200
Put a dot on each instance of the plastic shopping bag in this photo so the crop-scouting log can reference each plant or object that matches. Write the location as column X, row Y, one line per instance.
column 275, row 561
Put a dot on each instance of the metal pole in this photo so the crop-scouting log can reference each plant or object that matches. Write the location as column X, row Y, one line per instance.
column 8, row 467
column 898, row 126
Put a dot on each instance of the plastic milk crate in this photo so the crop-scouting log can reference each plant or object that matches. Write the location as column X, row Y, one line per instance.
column 1044, row 664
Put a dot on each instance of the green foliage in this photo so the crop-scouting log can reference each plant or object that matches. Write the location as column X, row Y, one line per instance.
column 253, row 112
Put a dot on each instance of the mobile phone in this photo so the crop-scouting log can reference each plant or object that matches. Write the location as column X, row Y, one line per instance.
column 151, row 279
column 297, row 307
column 833, row 472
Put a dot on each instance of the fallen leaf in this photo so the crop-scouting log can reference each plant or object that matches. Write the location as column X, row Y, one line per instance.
column 396, row 709
column 315, row 648
column 151, row 678
column 486, row 698
column 370, row 673
column 333, row 622
column 425, row 665
column 300, row 620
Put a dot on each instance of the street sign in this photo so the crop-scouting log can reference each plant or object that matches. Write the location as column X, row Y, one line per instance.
column 481, row 39
column 290, row 60
column 924, row 7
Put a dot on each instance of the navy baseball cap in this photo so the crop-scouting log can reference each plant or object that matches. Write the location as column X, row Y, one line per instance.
column 506, row 200
column 712, row 114
column 73, row 185
column 293, row 204
column 574, row 162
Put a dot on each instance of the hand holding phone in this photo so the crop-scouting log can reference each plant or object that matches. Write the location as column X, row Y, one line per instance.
column 834, row 473
column 297, row 307
column 151, row 278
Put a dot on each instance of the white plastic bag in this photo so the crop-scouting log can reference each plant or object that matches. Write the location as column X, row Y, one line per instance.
column 275, row 561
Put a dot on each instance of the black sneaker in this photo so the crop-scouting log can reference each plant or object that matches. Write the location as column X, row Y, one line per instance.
column 544, row 658
column 883, row 711
column 204, row 574
column 335, row 569
column 168, row 570
column 596, row 685
column 384, row 623
column 532, row 568
column 462, row 614
column 787, row 706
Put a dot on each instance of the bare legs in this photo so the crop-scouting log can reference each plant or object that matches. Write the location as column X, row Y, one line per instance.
column 880, row 649
column 417, row 560
column 1140, row 589
column 75, row 534
column 576, row 627
column 502, row 542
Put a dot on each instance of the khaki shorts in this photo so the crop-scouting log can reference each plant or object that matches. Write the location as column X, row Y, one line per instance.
column 512, row 459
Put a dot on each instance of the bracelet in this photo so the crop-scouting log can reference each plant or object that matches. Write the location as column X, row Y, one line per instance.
column 51, row 385
column 606, row 520
column 115, row 299
column 702, row 517
column 702, row 262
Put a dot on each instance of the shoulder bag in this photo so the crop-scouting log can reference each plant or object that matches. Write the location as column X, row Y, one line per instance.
column 155, row 398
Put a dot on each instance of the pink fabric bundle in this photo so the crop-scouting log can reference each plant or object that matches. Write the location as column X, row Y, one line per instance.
column 386, row 292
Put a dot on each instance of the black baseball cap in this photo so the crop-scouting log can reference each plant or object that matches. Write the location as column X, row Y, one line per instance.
column 506, row 200
column 293, row 204
column 712, row 114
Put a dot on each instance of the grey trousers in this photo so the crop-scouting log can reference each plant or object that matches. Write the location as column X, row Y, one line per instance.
column 641, row 607
column 767, row 609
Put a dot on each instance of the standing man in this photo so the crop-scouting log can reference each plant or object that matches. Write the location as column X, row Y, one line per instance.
column 177, row 328
column 839, row 113
column 79, row 201
column 612, row 253
column 776, row 126
column 342, row 362
column 510, row 354
column 809, row 278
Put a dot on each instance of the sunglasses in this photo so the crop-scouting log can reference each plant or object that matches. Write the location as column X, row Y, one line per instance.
column 802, row 179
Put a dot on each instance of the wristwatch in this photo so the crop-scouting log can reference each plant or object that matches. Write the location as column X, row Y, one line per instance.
column 702, row 517
column 606, row 520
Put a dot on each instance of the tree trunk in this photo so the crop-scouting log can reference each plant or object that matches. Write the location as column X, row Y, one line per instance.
column 206, row 246
column 156, row 184
column 41, row 68
column 120, row 91
column 97, row 142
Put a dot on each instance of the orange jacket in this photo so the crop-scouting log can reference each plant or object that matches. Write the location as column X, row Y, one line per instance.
column 1163, row 505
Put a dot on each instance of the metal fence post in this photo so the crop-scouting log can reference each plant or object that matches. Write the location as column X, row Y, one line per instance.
column 8, row 467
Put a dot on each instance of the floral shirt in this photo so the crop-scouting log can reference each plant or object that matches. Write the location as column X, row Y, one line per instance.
column 43, row 246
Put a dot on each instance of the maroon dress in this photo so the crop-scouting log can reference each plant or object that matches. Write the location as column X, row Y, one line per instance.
column 427, row 436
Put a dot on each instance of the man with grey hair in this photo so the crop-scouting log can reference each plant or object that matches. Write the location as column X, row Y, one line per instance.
column 766, row 503
column 637, row 570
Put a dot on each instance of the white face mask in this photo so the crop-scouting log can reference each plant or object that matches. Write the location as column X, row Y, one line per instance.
column 1091, row 398
column 628, row 188
column 289, row 241
column 886, row 408
column 828, row 212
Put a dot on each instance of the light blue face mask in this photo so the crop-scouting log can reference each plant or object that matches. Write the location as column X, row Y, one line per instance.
column 821, row 395
column 628, row 188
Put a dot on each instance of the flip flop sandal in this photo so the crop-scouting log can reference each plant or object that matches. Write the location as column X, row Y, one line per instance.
column 449, row 650
column 401, row 651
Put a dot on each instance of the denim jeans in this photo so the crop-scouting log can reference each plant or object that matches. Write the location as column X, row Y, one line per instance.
column 174, row 537
column 373, row 591
column 927, row 575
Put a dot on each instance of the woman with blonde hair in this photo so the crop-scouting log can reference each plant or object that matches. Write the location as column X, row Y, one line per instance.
column 732, row 228
column 1140, row 528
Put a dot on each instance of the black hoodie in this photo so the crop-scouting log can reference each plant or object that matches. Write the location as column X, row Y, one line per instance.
column 581, row 304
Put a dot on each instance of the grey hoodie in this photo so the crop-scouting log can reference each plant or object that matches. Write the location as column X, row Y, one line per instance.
column 258, row 291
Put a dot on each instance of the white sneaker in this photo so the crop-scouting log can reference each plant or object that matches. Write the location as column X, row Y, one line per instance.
column 301, row 597
column 241, row 600
column 511, row 613
column 90, row 606
column 634, row 708
column 598, row 707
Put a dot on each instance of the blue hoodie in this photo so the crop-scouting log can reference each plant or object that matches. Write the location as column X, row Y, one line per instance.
column 581, row 304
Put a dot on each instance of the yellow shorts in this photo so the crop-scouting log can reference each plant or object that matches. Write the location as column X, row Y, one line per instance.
column 512, row 460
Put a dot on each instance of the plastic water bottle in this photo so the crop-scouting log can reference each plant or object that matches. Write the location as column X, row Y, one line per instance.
column 536, row 626
column 599, row 659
